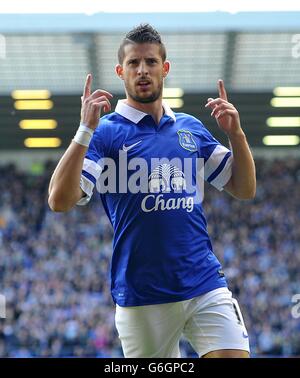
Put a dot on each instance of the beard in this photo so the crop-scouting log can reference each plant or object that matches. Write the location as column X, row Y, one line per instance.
column 144, row 100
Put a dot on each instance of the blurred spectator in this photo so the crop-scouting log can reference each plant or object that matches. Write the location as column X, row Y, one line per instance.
column 54, row 268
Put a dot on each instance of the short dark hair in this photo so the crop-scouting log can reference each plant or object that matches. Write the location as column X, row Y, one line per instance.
column 143, row 33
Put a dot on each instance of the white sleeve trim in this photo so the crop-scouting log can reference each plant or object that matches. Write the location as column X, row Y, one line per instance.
column 87, row 186
column 92, row 168
column 224, row 176
column 214, row 160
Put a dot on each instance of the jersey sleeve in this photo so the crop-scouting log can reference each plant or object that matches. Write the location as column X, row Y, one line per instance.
column 92, row 167
column 217, row 160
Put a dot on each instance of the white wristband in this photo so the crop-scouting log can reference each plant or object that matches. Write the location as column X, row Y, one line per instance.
column 83, row 135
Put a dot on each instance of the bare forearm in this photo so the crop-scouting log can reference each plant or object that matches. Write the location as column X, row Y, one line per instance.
column 243, row 181
column 64, row 187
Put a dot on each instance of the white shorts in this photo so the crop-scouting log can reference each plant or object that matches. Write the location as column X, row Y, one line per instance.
column 210, row 322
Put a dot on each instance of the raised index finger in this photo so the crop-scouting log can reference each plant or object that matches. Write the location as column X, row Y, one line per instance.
column 222, row 90
column 87, row 86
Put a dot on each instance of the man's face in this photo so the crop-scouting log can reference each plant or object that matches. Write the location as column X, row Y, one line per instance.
column 143, row 72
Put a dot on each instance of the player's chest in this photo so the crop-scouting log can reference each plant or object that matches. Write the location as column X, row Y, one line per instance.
column 179, row 143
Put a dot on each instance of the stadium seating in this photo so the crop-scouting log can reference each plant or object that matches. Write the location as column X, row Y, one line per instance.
column 54, row 267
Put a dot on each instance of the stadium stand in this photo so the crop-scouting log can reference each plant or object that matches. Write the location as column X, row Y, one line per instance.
column 54, row 267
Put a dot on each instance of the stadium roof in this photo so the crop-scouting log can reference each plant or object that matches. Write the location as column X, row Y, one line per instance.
column 108, row 22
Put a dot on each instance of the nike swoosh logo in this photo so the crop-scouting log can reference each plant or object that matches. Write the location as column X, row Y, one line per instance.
column 245, row 336
column 127, row 148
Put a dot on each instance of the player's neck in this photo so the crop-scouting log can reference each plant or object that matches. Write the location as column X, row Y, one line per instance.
column 155, row 109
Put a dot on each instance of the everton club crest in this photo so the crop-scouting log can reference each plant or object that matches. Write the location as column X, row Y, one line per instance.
column 186, row 140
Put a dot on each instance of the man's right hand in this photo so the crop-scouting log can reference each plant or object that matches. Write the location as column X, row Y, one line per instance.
column 92, row 105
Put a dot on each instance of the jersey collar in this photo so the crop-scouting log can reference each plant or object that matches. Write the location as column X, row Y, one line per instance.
column 136, row 115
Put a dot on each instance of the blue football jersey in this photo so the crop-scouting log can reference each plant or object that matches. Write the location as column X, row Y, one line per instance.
column 161, row 248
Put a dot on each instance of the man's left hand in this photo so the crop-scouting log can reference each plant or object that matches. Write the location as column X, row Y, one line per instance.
column 225, row 113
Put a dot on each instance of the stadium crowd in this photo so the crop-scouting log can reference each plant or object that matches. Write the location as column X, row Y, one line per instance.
column 54, row 267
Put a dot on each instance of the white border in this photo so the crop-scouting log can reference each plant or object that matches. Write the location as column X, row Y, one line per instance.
column 90, row 7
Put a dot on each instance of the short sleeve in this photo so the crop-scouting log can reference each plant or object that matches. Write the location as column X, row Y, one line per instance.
column 92, row 167
column 217, row 160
